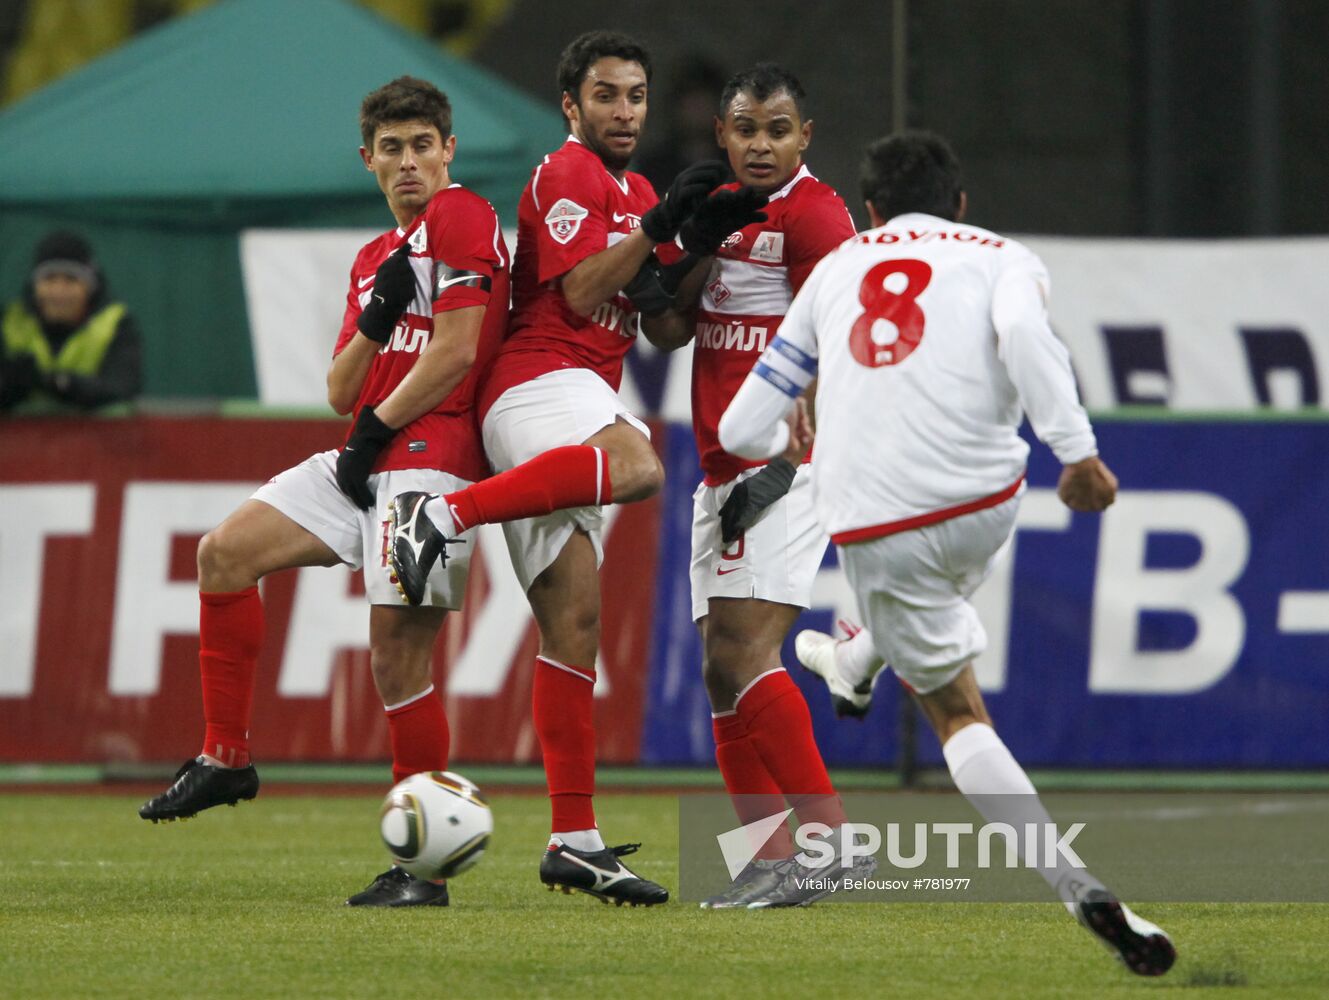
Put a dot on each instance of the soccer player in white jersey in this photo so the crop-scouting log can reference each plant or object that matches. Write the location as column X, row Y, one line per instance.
column 930, row 339
column 756, row 543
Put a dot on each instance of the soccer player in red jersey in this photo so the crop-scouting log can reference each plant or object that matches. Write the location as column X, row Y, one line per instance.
column 555, row 429
column 426, row 310
column 756, row 543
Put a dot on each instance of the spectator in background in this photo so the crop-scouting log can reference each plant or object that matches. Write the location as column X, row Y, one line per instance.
column 65, row 340
column 689, row 132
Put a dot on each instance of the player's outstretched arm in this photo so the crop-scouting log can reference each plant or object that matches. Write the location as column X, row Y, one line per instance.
column 755, row 426
column 1038, row 363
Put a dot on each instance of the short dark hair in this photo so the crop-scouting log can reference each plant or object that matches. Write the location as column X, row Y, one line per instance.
column 584, row 50
column 914, row 171
column 762, row 81
column 406, row 98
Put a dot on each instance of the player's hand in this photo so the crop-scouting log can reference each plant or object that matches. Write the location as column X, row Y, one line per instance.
column 394, row 289
column 689, row 189
column 750, row 498
column 800, row 432
column 368, row 438
column 654, row 287
column 1087, row 486
column 723, row 213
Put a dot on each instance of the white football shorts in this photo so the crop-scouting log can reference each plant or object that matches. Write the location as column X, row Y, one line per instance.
column 913, row 592
column 309, row 495
column 550, row 411
column 775, row 560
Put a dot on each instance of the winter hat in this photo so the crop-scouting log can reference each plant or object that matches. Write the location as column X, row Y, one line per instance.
column 64, row 252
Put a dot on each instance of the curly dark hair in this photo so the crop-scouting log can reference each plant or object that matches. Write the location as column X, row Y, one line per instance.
column 762, row 81
column 584, row 50
column 914, row 171
column 405, row 99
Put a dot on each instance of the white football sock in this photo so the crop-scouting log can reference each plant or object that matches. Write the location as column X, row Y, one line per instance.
column 856, row 658
column 996, row 785
column 437, row 511
column 581, row 840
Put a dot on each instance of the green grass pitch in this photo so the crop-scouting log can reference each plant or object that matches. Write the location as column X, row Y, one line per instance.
column 247, row 902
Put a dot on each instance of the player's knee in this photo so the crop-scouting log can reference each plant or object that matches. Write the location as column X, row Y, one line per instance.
column 638, row 476
column 719, row 677
column 396, row 677
column 220, row 566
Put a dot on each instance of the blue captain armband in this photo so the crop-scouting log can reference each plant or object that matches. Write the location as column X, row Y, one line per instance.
column 786, row 367
column 804, row 361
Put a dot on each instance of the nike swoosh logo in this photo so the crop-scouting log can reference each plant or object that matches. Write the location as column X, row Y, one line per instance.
column 620, row 218
column 364, row 281
column 722, row 571
column 449, row 282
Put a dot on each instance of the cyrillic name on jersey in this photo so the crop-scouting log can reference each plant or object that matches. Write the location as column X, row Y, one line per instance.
column 731, row 337
column 616, row 319
column 408, row 339
column 931, row 236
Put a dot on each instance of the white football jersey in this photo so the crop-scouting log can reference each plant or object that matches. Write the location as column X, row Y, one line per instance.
column 929, row 338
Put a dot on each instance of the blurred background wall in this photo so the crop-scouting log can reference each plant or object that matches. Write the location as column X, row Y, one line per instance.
column 1115, row 117
column 208, row 148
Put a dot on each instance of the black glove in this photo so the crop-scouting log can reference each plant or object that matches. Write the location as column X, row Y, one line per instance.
column 653, row 288
column 721, row 214
column 689, row 190
column 18, row 377
column 368, row 438
column 752, row 496
column 394, row 290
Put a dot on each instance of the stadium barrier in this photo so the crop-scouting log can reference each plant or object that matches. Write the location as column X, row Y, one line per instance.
column 1187, row 627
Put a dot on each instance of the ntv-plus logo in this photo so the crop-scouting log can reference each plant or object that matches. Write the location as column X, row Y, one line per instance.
column 824, row 848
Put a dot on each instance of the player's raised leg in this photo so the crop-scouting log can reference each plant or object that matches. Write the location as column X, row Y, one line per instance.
column 401, row 644
column 616, row 465
column 253, row 541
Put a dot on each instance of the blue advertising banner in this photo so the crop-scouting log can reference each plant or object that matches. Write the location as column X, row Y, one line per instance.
column 1188, row 626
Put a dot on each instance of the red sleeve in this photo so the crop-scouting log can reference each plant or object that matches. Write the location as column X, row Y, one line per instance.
column 570, row 217
column 352, row 313
column 820, row 225
column 465, row 243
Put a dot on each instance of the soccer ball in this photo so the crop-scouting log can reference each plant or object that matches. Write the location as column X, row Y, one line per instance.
column 435, row 824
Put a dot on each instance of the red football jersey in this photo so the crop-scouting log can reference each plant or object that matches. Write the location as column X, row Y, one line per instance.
column 460, row 260
column 756, row 274
column 572, row 208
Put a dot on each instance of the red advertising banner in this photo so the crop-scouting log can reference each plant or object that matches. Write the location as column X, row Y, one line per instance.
column 99, row 522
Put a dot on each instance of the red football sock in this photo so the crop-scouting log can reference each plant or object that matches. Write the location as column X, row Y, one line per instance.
column 564, row 708
column 418, row 729
column 779, row 726
column 230, row 633
column 573, row 476
column 754, row 792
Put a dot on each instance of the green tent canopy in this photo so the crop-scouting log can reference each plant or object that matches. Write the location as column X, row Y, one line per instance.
column 243, row 115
